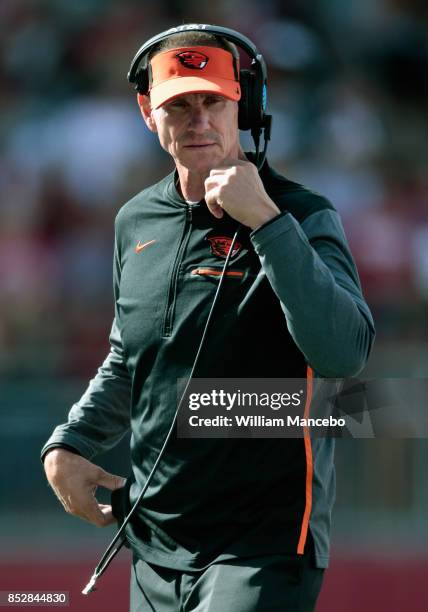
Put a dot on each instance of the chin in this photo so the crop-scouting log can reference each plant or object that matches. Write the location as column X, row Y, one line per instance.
column 200, row 161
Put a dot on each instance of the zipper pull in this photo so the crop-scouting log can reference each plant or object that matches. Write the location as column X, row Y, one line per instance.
column 189, row 211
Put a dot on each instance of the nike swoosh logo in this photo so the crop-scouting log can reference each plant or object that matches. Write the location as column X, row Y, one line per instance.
column 140, row 246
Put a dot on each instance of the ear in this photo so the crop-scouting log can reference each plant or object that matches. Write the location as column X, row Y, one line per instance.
column 146, row 111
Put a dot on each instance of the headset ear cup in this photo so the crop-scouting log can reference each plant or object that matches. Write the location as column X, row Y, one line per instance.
column 142, row 81
column 251, row 104
column 259, row 94
column 244, row 116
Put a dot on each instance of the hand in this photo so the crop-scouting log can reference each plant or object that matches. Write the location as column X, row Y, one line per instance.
column 75, row 480
column 236, row 187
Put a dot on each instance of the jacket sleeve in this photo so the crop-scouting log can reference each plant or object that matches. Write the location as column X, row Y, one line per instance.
column 312, row 272
column 102, row 415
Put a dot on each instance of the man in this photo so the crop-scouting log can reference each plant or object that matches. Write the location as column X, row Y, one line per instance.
column 226, row 524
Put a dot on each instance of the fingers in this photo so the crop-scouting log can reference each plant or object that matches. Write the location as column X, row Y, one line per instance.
column 235, row 188
column 104, row 516
column 219, row 171
column 110, row 481
column 87, row 507
column 78, row 505
column 109, row 518
column 213, row 198
column 215, row 210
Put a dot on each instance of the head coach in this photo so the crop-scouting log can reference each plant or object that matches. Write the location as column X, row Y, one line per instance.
column 214, row 525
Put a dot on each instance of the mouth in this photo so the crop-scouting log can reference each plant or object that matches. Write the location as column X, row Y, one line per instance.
column 200, row 146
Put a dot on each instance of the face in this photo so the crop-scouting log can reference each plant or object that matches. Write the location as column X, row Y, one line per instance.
column 198, row 130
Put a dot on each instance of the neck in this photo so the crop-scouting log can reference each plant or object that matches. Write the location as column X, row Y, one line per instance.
column 191, row 184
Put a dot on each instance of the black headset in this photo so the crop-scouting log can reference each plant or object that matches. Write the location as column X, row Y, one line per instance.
column 252, row 105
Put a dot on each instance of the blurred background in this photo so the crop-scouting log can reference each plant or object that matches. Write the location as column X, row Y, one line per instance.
column 348, row 90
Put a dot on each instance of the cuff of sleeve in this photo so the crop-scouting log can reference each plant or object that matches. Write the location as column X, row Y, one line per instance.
column 69, row 442
column 281, row 214
column 49, row 447
column 270, row 230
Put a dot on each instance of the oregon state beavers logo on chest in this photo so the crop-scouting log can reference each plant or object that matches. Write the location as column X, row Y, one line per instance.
column 220, row 246
column 192, row 59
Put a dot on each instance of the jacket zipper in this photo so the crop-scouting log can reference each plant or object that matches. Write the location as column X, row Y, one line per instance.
column 172, row 291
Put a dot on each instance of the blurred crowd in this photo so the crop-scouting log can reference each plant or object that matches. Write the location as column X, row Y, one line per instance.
column 348, row 89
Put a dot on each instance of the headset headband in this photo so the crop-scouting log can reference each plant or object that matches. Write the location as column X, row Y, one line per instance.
column 232, row 35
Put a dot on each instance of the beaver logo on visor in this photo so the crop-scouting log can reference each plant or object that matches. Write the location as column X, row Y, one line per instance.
column 192, row 59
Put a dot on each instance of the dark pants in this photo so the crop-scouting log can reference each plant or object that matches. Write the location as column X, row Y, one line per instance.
column 276, row 583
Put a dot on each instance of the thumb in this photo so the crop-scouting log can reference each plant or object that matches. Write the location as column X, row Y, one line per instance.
column 110, row 481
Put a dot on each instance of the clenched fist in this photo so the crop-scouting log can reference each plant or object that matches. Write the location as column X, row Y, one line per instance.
column 236, row 187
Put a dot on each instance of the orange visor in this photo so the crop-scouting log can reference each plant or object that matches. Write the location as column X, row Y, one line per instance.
column 193, row 70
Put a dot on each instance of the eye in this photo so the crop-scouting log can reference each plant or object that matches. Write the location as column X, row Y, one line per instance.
column 213, row 99
column 177, row 104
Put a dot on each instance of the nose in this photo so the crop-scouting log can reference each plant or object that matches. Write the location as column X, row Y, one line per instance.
column 199, row 118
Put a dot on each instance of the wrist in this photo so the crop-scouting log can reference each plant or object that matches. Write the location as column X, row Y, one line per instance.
column 265, row 214
column 57, row 453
